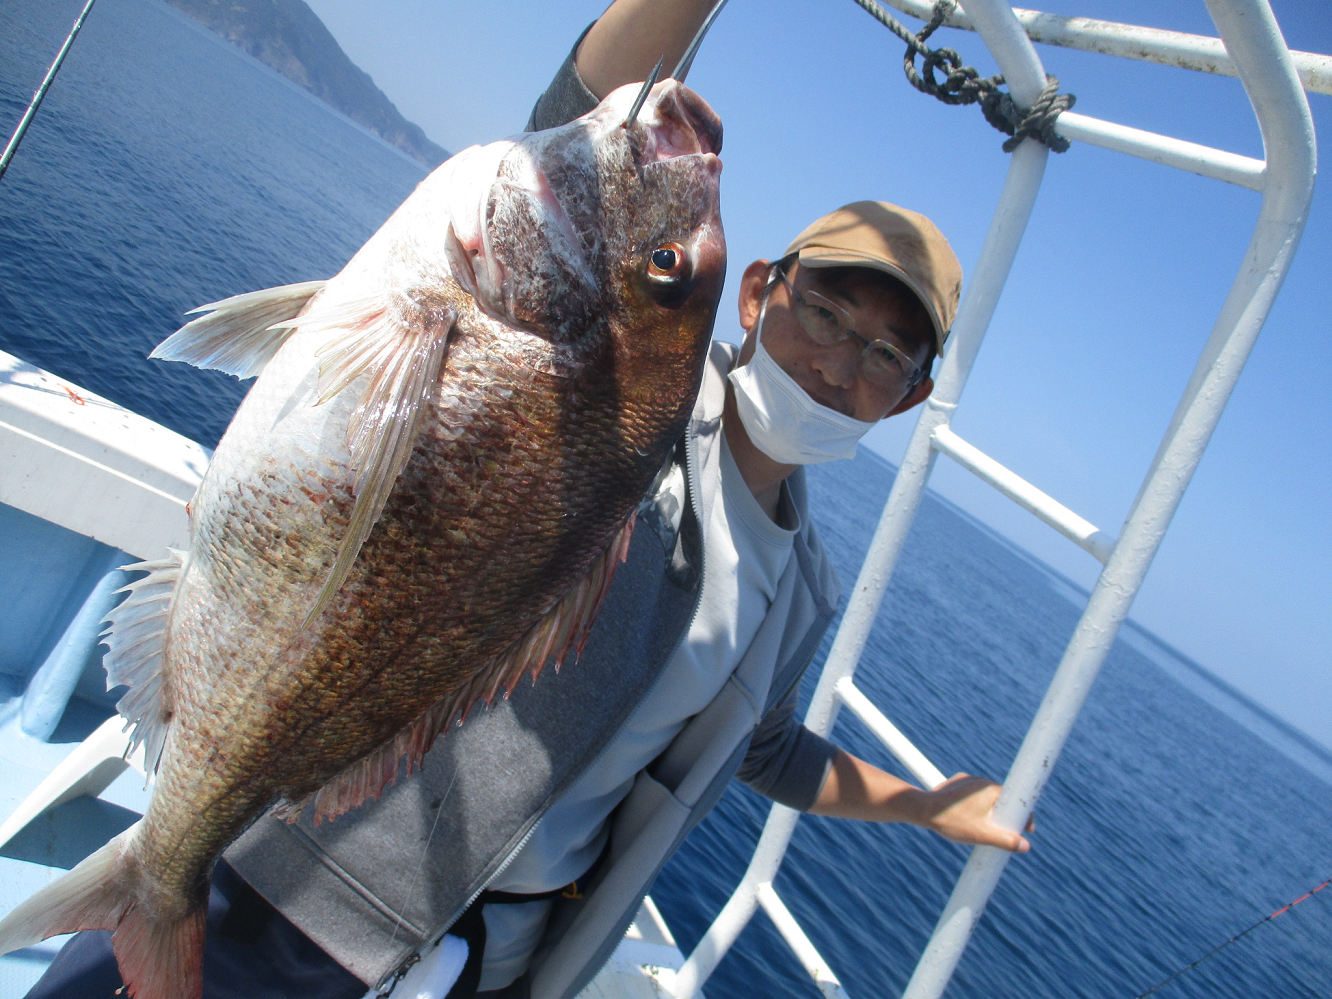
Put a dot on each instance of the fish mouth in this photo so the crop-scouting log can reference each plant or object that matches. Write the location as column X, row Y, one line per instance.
column 677, row 123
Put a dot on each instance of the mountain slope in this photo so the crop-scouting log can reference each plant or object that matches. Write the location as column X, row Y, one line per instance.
column 288, row 36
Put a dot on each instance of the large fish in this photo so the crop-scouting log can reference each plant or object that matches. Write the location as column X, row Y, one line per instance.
column 422, row 498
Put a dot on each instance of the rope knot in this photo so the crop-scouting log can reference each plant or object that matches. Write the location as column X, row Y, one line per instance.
column 964, row 85
column 1039, row 122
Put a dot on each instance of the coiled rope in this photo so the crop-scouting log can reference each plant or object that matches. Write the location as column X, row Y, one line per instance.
column 964, row 85
column 1242, row 933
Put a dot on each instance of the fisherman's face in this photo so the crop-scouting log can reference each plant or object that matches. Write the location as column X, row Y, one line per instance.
column 831, row 373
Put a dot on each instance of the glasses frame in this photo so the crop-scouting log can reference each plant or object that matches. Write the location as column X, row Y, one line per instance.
column 914, row 372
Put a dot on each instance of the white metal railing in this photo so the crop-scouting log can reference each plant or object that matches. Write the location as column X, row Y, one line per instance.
column 925, row 772
column 1217, row 163
column 1129, row 41
column 1250, row 47
column 1078, row 530
column 786, row 924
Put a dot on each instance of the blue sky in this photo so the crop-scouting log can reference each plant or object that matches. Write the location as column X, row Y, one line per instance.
column 1122, row 273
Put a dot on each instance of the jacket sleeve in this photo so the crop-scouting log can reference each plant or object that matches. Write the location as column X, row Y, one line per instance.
column 786, row 761
column 566, row 98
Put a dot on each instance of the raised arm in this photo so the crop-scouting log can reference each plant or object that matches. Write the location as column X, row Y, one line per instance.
column 621, row 47
column 629, row 38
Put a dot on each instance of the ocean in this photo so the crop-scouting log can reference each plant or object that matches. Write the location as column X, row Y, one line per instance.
column 167, row 170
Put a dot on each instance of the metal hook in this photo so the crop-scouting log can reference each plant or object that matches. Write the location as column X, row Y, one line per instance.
column 687, row 60
column 648, row 84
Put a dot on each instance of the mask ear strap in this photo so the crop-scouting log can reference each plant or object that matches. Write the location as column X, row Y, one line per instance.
column 773, row 273
column 758, row 331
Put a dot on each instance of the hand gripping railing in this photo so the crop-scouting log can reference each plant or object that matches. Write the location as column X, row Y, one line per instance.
column 1253, row 49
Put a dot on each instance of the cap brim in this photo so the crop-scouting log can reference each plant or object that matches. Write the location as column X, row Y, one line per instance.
column 824, row 256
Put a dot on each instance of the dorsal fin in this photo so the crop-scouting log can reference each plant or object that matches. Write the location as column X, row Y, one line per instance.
column 134, row 658
column 562, row 629
column 239, row 335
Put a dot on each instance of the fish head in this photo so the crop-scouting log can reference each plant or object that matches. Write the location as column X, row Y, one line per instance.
column 598, row 228
column 665, row 263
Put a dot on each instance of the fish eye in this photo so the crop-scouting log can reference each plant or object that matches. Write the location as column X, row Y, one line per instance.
column 668, row 263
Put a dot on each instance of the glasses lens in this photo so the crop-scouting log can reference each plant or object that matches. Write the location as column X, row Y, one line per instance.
column 822, row 320
column 882, row 366
column 821, row 324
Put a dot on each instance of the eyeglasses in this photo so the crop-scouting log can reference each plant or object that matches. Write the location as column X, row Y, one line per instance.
column 883, row 365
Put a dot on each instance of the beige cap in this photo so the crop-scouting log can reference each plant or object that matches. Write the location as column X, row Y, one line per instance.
column 895, row 240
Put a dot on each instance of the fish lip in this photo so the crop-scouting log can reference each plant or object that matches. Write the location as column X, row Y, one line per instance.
column 706, row 121
column 681, row 124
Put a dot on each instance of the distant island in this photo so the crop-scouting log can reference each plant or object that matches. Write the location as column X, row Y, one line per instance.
column 288, row 36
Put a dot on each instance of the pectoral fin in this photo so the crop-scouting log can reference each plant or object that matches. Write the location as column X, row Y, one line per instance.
column 401, row 348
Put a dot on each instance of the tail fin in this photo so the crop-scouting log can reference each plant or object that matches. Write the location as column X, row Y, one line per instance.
column 158, row 959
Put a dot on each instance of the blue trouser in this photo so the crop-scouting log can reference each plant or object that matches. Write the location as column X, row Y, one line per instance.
column 251, row 951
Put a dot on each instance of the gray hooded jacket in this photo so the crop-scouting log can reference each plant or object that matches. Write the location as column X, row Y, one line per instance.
column 379, row 885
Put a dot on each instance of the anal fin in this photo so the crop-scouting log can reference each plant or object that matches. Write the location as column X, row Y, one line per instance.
column 562, row 629
column 133, row 638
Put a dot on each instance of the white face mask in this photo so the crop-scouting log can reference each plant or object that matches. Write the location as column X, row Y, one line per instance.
column 783, row 420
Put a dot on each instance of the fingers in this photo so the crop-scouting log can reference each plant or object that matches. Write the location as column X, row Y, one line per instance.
column 1018, row 844
column 1002, row 838
column 963, row 813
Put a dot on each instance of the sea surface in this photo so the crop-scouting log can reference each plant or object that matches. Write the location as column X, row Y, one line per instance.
column 167, row 170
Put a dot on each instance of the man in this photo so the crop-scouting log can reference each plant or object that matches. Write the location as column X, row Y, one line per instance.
column 535, row 829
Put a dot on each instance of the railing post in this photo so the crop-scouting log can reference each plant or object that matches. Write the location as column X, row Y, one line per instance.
column 1021, row 185
column 739, row 908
